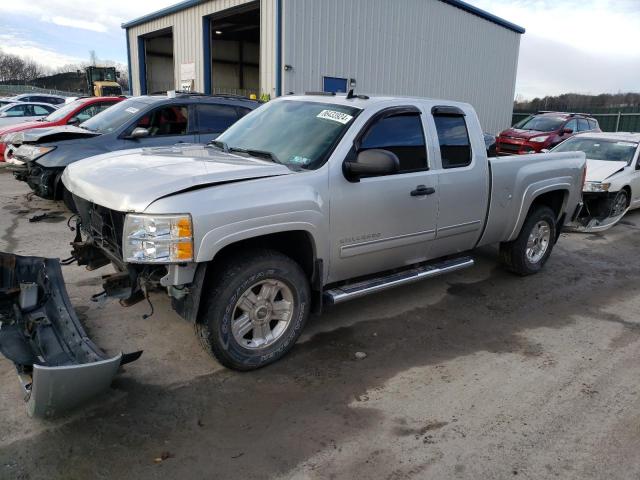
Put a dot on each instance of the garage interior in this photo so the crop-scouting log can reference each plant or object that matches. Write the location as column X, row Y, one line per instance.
column 159, row 63
column 235, row 50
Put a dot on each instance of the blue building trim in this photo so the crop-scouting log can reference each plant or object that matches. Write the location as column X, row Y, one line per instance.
column 142, row 66
column 485, row 15
column 455, row 3
column 278, row 48
column 206, row 49
column 130, row 79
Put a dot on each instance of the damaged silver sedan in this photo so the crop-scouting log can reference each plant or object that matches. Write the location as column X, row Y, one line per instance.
column 59, row 367
column 612, row 183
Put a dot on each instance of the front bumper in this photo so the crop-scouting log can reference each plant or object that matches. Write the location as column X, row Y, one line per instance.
column 40, row 179
column 59, row 367
column 510, row 146
column 596, row 213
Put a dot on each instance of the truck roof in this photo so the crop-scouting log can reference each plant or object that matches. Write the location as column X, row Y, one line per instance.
column 368, row 102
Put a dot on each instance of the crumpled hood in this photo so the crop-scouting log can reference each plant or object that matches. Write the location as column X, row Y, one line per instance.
column 24, row 126
column 523, row 134
column 52, row 134
column 599, row 170
column 130, row 180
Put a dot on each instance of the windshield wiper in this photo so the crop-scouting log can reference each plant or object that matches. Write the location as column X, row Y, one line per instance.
column 257, row 153
column 220, row 144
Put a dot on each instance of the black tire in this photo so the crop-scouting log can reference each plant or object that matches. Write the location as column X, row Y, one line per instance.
column 514, row 254
column 621, row 198
column 229, row 282
column 61, row 193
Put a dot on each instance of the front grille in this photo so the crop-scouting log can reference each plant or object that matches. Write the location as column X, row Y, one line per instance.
column 102, row 225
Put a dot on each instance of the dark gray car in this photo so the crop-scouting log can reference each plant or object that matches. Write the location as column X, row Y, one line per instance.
column 138, row 122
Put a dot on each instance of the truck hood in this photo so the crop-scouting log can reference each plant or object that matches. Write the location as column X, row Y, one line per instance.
column 52, row 134
column 129, row 181
column 599, row 170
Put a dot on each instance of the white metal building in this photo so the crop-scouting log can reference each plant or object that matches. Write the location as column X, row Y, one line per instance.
column 430, row 48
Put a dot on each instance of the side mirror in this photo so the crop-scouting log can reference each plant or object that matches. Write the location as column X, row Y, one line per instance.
column 139, row 132
column 73, row 121
column 371, row 163
column 564, row 131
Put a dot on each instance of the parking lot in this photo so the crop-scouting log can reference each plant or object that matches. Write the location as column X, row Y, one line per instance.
column 479, row 374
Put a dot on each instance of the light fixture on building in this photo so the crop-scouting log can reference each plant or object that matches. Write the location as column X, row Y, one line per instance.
column 218, row 32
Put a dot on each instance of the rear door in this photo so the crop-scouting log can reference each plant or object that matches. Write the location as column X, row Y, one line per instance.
column 463, row 182
column 213, row 119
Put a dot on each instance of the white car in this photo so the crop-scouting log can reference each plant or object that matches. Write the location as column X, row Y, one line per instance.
column 612, row 183
column 23, row 112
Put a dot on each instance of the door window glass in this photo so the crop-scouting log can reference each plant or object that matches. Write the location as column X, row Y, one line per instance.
column 572, row 125
column 583, row 125
column 172, row 120
column 215, row 118
column 402, row 135
column 40, row 110
column 453, row 137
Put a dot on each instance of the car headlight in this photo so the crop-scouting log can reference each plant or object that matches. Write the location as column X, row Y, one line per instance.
column 157, row 238
column 539, row 139
column 32, row 152
column 596, row 187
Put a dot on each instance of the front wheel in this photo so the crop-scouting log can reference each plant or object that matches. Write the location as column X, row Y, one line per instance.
column 528, row 253
column 255, row 309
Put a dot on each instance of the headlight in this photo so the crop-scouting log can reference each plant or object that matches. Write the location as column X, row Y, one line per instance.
column 539, row 139
column 158, row 238
column 31, row 152
column 596, row 187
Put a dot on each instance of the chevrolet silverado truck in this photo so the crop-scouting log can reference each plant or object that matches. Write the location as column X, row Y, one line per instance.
column 310, row 201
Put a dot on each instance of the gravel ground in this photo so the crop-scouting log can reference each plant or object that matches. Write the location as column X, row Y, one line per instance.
column 479, row 374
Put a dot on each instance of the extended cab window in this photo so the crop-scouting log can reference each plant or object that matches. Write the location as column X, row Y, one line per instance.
column 401, row 134
column 453, row 136
column 215, row 118
column 165, row 121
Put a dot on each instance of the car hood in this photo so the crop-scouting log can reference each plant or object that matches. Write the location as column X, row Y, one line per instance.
column 52, row 134
column 523, row 134
column 599, row 170
column 129, row 181
column 24, row 126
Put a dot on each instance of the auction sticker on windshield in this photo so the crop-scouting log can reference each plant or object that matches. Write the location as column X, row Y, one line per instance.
column 339, row 117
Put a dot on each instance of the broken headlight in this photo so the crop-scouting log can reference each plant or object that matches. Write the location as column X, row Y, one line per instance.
column 157, row 239
column 32, row 152
column 596, row 187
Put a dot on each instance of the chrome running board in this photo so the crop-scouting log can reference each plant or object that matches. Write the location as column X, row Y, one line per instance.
column 374, row 285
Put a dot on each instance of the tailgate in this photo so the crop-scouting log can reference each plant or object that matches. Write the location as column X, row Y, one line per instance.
column 59, row 367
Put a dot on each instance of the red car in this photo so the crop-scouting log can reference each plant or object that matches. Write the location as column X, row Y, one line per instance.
column 544, row 130
column 73, row 113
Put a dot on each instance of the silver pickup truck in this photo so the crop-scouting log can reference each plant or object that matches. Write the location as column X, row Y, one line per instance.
column 310, row 201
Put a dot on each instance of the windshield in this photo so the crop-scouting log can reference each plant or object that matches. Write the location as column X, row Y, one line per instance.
column 294, row 133
column 599, row 149
column 540, row 123
column 113, row 117
column 62, row 111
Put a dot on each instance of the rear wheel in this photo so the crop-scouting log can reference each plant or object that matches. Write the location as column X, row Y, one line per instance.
column 257, row 306
column 528, row 253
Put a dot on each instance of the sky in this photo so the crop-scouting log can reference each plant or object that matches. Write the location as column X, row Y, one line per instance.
column 578, row 46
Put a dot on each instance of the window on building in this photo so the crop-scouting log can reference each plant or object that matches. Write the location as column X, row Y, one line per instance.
column 402, row 135
column 453, row 137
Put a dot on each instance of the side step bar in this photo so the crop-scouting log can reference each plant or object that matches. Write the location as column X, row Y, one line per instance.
column 374, row 285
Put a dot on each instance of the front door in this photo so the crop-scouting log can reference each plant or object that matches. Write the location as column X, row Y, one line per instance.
column 385, row 222
column 167, row 125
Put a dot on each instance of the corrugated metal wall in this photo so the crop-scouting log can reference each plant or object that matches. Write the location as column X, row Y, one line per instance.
column 188, row 44
column 405, row 47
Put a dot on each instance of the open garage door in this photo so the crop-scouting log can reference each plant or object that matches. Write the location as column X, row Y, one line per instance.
column 235, row 50
column 159, row 63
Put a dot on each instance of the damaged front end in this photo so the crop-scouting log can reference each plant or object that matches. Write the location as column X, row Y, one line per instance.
column 59, row 367
column 600, row 211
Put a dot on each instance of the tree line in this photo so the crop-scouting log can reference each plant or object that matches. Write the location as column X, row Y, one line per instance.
column 578, row 102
